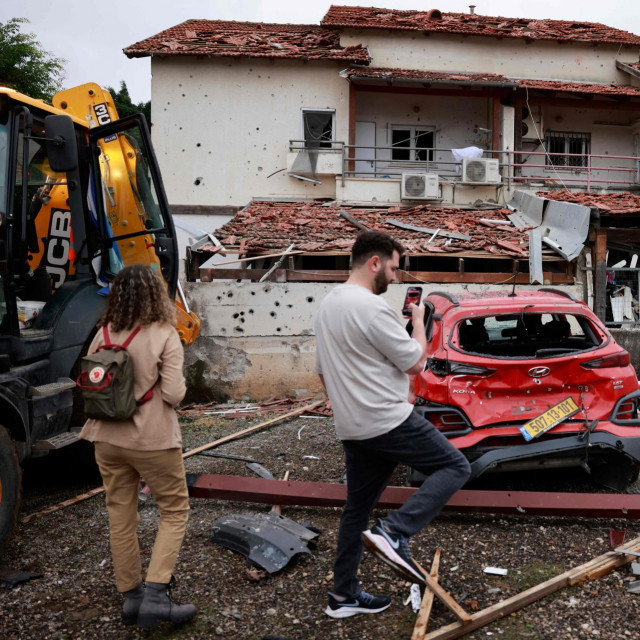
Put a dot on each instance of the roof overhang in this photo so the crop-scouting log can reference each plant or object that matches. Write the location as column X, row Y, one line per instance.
column 400, row 77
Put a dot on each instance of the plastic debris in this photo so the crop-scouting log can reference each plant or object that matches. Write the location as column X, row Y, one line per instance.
column 496, row 571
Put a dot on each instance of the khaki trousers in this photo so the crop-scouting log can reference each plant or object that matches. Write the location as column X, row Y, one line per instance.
column 163, row 471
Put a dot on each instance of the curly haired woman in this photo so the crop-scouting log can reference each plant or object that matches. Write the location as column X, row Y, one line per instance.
column 148, row 445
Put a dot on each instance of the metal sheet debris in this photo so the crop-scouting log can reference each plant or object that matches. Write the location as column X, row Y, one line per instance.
column 268, row 540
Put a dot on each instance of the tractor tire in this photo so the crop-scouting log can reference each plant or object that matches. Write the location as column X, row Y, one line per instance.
column 10, row 487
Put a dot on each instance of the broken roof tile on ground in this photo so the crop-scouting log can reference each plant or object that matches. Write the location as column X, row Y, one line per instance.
column 435, row 21
column 249, row 39
column 315, row 228
column 618, row 203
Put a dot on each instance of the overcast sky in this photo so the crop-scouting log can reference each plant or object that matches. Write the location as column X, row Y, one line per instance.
column 91, row 36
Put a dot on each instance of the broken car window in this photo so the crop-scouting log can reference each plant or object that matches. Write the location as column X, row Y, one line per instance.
column 526, row 335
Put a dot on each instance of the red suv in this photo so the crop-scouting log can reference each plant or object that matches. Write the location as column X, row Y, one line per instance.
column 528, row 380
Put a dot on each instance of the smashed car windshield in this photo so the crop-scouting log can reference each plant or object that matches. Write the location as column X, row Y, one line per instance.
column 527, row 335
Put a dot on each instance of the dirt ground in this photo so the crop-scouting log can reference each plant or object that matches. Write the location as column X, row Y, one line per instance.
column 76, row 597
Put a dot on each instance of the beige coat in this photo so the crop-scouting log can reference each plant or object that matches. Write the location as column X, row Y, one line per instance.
column 157, row 355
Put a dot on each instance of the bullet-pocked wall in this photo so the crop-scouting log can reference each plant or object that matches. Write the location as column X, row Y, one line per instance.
column 221, row 126
column 257, row 340
column 511, row 57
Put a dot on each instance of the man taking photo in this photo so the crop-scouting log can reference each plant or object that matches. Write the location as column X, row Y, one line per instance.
column 364, row 359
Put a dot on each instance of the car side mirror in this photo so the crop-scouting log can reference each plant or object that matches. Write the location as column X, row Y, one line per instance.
column 60, row 141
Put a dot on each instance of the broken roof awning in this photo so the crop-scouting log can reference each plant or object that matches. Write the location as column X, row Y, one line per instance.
column 369, row 75
column 388, row 75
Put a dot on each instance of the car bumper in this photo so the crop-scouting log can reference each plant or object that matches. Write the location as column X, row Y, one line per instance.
column 584, row 445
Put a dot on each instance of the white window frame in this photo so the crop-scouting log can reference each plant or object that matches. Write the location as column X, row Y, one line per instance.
column 412, row 154
column 304, row 110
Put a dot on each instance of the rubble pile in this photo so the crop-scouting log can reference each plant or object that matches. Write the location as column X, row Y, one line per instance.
column 314, row 227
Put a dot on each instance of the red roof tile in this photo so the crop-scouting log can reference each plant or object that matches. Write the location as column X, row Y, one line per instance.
column 478, row 25
column 313, row 228
column 248, row 39
column 618, row 203
column 381, row 73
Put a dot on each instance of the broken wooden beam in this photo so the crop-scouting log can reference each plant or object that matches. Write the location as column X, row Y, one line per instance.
column 605, row 563
column 187, row 454
column 422, row 621
column 323, row 494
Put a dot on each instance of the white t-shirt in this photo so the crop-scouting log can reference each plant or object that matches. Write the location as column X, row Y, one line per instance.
column 362, row 351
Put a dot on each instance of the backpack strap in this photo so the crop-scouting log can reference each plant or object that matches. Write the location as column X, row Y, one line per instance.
column 116, row 347
column 127, row 342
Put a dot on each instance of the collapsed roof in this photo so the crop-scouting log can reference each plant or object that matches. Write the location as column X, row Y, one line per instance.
column 315, row 228
column 248, row 39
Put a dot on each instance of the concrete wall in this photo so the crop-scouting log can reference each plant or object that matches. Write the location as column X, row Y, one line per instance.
column 510, row 57
column 222, row 126
column 629, row 339
column 257, row 340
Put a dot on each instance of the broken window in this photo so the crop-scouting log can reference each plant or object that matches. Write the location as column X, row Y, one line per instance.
column 567, row 142
column 412, row 144
column 527, row 335
column 318, row 128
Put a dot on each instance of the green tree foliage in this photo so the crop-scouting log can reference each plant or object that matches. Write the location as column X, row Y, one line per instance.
column 125, row 107
column 25, row 65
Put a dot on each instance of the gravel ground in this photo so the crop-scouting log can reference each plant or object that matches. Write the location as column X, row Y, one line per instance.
column 76, row 598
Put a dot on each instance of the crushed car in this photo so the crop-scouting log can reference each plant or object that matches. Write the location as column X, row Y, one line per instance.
column 530, row 379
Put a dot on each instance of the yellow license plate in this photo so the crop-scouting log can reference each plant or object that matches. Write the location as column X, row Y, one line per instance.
column 549, row 419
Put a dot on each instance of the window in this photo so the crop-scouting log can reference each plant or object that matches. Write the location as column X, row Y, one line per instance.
column 570, row 143
column 318, row 127
column 413, row 144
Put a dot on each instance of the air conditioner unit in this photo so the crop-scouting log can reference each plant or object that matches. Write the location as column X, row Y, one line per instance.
column 531, row 125
column 419, row 186
column 481, row 171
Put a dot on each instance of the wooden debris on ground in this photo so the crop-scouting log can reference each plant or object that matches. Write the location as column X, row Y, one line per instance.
column 187, row 454
column 232, row 411
column 422, row 621
column 591, row 570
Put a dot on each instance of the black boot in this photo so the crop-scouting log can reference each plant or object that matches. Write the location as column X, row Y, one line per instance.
column 131, row 606
column 157, row 606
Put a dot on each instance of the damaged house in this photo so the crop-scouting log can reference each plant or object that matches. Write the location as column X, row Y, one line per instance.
column 500, row 151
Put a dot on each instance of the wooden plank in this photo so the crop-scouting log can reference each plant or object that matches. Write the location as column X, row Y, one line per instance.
column 61, row 505
column 448, row 601
column 260, row 257
column 188, row 454
column 520, row 600
column 257, row 427
column 422, row 621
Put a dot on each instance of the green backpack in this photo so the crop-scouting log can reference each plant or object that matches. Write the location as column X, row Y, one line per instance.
column 106, row 381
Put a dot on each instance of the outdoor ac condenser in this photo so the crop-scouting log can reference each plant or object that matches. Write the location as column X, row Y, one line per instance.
column 481, row 171
column 419, row 186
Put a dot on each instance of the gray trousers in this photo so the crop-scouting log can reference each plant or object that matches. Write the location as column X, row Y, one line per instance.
column 370, row 463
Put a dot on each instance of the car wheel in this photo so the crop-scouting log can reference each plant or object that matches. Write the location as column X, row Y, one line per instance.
column 10, row 486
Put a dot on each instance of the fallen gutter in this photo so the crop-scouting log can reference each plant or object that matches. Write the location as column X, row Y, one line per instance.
column 321, row 494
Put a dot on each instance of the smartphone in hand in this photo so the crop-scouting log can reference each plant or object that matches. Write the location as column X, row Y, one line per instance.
column 414, row 295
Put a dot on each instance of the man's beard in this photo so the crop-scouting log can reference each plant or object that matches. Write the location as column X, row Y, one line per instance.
column 380, row 283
